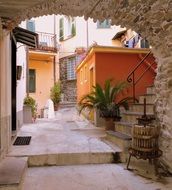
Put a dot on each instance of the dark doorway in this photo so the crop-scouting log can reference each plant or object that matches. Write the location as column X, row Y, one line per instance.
column 13, row 85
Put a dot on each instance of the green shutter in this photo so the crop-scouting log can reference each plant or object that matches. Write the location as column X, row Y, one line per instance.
column 61, row 26
column 32, row 80
column 73, row 29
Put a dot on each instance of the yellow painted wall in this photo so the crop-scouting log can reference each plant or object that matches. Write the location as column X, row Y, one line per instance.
column 84, row 81
column 44, row 81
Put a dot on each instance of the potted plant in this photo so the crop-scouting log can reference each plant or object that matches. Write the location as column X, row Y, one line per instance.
column 106, row 102
column 55, row 94
column 29, row 101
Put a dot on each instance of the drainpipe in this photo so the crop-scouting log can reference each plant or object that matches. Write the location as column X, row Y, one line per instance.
column 27, row 71
column 87, row 34
column 55, row 45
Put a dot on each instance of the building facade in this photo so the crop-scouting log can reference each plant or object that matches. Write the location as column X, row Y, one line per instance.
column 103, row 63
column 76, row 35
column 43, row 60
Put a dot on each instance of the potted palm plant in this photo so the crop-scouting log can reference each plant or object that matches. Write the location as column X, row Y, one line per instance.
column 105, row 100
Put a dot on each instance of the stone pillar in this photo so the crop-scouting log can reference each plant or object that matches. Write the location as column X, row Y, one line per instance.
column 5, row 95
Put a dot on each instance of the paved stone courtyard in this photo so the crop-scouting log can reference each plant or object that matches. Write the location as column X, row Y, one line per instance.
column 67, row 134
column 88, row 177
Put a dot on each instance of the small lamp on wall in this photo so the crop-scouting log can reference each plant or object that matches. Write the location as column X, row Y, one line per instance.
column 19, row 72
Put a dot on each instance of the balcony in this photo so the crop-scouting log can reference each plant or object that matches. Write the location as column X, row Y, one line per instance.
column 46, row 42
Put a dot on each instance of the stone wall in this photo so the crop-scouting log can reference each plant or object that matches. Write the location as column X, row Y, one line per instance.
column 68, row 86
column 151, row 18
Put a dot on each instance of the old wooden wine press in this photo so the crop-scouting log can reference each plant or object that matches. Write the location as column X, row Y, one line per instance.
column 145, row 140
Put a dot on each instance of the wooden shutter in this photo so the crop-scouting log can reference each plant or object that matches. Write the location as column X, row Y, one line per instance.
column 32, row 80
column 61, row 27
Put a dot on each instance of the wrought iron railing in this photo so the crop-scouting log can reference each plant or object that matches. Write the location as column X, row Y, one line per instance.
column 46, row 42
column 132, row 75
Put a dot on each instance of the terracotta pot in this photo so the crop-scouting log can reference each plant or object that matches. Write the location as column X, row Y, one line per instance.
column 109, row 124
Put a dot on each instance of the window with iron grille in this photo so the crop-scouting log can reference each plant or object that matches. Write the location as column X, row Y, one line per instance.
column 71, row 64
column 105, row 24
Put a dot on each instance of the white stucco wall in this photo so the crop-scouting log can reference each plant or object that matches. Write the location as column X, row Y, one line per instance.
column 101, row 36
column 44, row 24
column 21, row 84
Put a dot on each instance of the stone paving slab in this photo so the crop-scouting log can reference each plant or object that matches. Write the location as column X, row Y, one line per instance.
column 67, row 133
column 89, row 177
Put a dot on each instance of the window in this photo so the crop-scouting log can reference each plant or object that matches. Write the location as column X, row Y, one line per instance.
column 71, row 64
column 67, row 28
column 71, row 27
column 61, row 29
column 32, row 80
column 30, row 25
column 105, row 24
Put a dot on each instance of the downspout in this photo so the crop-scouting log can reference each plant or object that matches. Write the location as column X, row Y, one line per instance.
column 87, row 34
column 27, row 71
column 55, row 46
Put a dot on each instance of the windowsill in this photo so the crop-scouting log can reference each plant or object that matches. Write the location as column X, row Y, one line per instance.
column 67, row 38
column 104, row 28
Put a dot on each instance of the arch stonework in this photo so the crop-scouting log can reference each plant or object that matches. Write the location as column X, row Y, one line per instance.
column 151, row 18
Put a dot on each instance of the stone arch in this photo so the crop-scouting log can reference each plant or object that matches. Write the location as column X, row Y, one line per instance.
column 152, row 18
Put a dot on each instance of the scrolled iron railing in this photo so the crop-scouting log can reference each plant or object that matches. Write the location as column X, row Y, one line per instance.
column 132, row 77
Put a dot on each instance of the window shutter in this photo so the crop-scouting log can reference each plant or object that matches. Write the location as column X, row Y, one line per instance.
column 32, row 80
column 61, row 32
column 73, row 28
column 105, row 24
column 31, row 25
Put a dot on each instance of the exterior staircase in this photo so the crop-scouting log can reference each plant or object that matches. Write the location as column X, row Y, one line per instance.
column 121, row 136
column 66, row 104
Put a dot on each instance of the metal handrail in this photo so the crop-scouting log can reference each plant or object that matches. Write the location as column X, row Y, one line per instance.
column 131, row 76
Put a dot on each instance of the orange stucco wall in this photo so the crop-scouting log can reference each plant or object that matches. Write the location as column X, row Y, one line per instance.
column 117, row 66
column 44, row 81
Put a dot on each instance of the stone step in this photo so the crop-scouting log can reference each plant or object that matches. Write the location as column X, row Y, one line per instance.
column 64, row 159
column 150, row 90
column 122, row 140
column 150, row 98
column 67, row 105
column 131, row 117
column 140, row 108
column 12, row 171
column 123, row 127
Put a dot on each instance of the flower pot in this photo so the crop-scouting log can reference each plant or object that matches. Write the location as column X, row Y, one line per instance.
column 109, row 124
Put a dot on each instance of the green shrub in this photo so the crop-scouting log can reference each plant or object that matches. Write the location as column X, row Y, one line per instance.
column 29, row 101
column 55, row 93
